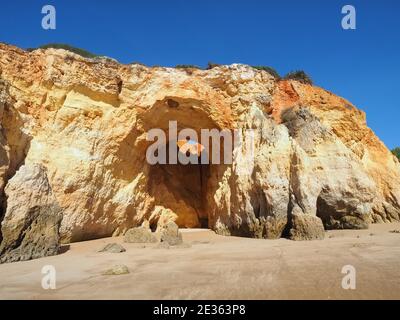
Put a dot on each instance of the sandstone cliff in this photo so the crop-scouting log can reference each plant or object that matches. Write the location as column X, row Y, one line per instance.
column 85, row 122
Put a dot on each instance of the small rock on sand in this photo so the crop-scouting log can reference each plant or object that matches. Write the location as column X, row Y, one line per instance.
column 116, row 270
column 113, row 248
column 140, row 235
column 306, row 227
column 171, row 234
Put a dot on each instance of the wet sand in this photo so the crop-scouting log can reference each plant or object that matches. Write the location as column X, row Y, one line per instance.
column 217, row 267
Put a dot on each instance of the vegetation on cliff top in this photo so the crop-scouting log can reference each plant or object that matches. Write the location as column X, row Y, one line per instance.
column 81, row 52
column 187, row 66
column 270, row 70
column 396, row 152
column 212, row 65
column 299, row 75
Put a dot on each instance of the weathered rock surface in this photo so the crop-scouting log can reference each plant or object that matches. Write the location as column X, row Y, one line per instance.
column 31, row 224
column 170, row 234
column 13, row 142
column 116, row 270
column 113, row 248
column 86, row 122
column 306, row 227
column 140, row 235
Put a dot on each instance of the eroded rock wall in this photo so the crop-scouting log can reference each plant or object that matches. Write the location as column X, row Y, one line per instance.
column 86, row 120
column 13, row 141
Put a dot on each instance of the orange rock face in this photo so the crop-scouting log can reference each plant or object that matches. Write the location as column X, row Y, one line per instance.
column 86, row 121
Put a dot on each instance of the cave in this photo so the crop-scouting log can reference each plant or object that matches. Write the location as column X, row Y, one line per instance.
column 186, row 186
column 185, row 189
column 182, row 188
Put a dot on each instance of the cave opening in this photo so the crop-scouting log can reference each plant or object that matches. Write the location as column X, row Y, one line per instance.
column 182, row 188
column 185, row 189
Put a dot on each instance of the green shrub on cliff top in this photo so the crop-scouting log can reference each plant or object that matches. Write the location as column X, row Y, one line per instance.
column 396, row 152
column 211, row 65
column 81, row 52
column 270, row 70
column 300, row 76
column 187, row 66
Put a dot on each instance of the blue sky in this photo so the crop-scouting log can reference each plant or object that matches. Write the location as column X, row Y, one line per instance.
column 361, row 65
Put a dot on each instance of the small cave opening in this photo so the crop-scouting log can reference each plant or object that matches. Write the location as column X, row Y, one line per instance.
column 182, row 188
column 185, row 189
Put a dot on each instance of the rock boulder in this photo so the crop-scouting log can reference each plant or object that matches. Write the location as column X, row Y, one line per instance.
column 170, row 234
column 306, row 227
column 31, row 224
column 140, row 235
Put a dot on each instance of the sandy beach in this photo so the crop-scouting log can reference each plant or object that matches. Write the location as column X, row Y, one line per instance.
column 217, row 267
